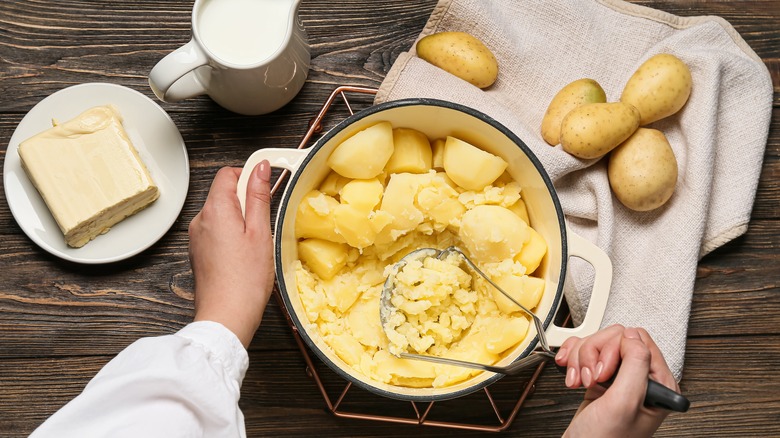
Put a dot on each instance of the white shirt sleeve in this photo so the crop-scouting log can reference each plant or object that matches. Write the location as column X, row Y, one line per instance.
column 181, row 385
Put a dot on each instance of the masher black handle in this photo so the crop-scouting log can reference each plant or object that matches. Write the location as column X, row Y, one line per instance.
column 657, row 395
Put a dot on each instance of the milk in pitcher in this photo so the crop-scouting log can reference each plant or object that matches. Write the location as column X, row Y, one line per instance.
column 243, row 32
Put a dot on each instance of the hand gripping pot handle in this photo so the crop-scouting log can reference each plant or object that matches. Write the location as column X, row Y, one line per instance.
column 289, row 159
column 173, row 78
column 602, row 281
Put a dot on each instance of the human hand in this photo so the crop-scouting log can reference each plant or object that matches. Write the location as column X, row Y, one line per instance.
column 232, row 259
column 618, row 411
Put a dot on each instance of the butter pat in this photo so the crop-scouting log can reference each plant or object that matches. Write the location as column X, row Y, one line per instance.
column 88, row 173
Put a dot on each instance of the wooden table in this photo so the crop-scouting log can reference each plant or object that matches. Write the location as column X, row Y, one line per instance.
column 61, row 322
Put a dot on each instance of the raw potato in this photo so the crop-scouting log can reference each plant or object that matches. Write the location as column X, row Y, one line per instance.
column 594, row 129
column 643, row 170
column 659, row 88
column 571, row 96
column 460, row 54
column 471, row 167
column 365, row 154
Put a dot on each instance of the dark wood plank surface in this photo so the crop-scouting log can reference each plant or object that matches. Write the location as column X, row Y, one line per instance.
column 60, row 322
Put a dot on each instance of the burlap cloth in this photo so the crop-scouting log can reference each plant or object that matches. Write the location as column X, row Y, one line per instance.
column 718, row 138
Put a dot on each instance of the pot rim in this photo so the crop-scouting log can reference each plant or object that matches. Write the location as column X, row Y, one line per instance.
column 284, row 204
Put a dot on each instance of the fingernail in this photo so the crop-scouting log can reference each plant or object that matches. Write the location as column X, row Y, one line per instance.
column 586, row 376
column 570, row 375
column 599, row 369
column 631, row 333
column 264, row 170
column 561, row 354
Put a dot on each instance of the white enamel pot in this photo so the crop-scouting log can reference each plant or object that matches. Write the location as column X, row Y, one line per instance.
column 437, row 119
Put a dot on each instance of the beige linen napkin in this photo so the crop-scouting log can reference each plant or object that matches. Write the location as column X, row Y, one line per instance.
column 718, row 138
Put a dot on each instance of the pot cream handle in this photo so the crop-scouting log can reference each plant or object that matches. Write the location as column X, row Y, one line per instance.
column 602, row 281
column 289, row 159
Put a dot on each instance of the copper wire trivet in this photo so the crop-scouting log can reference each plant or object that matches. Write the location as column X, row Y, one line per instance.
column 422, row 411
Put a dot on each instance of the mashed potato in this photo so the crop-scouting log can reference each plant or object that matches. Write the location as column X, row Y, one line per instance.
column 434, row 306
column 351, row 231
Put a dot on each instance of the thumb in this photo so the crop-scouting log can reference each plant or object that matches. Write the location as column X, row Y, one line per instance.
column 258, row 197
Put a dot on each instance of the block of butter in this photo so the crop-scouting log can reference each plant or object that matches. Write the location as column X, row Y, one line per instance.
column 88, row 173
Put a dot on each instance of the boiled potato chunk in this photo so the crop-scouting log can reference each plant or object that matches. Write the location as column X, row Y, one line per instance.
column 323, row 257
column 571, row 96
column 365, row 154
column 363, row 320
column 594, row 129
column 533, row 251
column 520, row 210
column 438, row 200
column 412, row 152
column 484, row 330
column 398, row 201
column 447, row 179
column 437, row 149
column 471, row 167
column 492, row 233
column 525, row 290
column 314, row 217
column 346, row 347
column 354, row 225
column 333, row 183
column 659, row 87
column 342, row 291
column 503, row 179
column 379, row 220
column 471, row 348
column 505, row 332
column 363, row 194
column 412, row 373
column 643, row 170
column 441, row 204
column 460, row 54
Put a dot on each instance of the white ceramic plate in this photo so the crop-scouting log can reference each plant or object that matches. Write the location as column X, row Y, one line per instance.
column 159, row 144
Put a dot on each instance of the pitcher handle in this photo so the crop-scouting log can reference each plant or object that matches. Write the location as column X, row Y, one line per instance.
column 173, row 78
column 602, row 281
column 290, row 159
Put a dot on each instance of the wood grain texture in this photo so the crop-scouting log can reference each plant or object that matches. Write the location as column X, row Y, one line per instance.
column 60, row 322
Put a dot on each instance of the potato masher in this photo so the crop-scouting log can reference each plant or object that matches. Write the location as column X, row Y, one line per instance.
column 386, row 308
column 657, row 395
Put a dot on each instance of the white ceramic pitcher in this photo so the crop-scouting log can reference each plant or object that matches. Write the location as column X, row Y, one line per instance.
column 250, row 56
